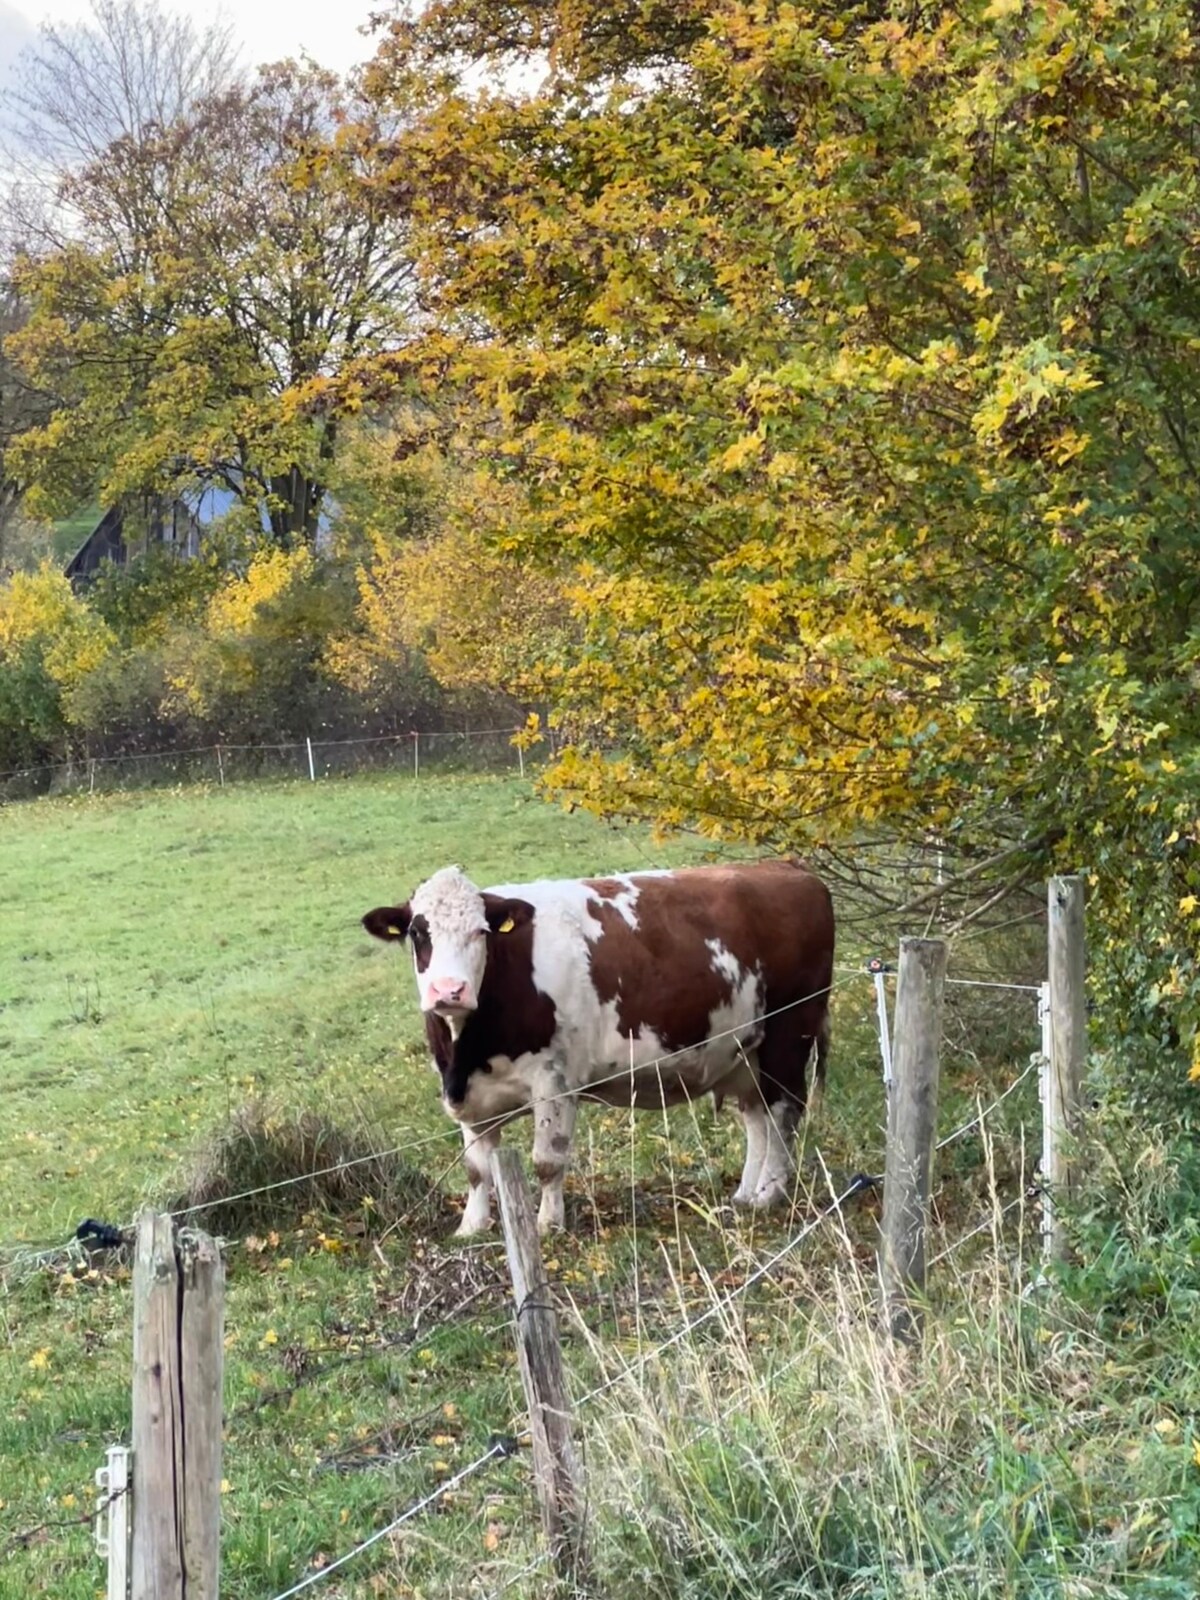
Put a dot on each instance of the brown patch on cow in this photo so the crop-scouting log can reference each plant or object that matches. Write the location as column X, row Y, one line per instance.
column 607, row 888
column 774, row 917
column 661, row 973
column 418, row 934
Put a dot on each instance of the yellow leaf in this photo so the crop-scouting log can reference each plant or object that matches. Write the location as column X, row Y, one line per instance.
column 39, row 1361
column 740, row 451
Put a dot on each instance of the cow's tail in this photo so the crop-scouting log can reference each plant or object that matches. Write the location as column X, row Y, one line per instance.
column 820, row 1065
column 824, row 1034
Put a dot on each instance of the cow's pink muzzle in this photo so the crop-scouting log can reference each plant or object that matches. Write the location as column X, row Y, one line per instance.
column 448, row 994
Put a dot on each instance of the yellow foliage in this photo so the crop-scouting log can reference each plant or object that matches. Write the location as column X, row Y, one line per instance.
column 483, row 619
column 239, row 603
column 41, row 615
column 251, row 628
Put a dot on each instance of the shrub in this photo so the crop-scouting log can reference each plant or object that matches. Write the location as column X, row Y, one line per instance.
column 50, row 642
column 267, row 1150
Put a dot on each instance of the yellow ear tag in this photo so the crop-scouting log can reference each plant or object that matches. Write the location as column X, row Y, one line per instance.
column 396, row 933
column 506, row 926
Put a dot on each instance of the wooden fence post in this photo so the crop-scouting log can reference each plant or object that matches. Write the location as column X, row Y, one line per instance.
column 1068, row 1045
column 556, row 1469
column 178, row 1361
column 912, row 1124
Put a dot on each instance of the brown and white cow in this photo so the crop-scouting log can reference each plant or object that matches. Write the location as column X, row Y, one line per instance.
column 646, row 989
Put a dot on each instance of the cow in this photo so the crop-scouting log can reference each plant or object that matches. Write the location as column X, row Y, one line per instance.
column 644, row 989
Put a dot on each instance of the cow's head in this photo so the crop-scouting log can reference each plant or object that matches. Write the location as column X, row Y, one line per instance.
column 450, row 925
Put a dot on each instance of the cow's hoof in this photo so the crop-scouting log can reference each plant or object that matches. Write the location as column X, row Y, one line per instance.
column 742, row 1198
column 771, row 1194
column 547, row 1225
column 467, row 1229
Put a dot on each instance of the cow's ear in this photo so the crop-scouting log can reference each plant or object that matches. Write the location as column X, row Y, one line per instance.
column 506, row 916
column 388, row 922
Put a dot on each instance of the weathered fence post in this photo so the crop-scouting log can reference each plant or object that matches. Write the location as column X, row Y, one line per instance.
column 521, row 759
column 1068, row 1046
column 220, row 766
column 912, row 1124
column 312, row 769
column 416, row 739
column 556, row 1469
column 178, row 1360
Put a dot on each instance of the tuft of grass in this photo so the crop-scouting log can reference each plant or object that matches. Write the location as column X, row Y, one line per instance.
column 272, row 1166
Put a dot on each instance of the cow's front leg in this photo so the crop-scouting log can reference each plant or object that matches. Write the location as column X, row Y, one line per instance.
column 480, row 1140
column 554, row 1109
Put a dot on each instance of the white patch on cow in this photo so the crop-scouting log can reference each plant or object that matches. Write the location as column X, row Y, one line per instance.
column 502, row 1092
column 453, row 911
column 624, row 902
column 724, row 961
column 735, row 1026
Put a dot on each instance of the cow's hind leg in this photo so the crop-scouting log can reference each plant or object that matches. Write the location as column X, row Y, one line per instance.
column 554, row 1112
column 782, row 1118
column 783, row 1062
column 479, row 1141
column 754, row 1119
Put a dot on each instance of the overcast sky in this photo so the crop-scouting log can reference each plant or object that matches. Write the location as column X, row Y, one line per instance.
column 266, row 30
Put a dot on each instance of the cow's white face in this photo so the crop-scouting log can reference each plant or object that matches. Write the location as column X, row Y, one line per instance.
column 447, row 923
column 448, row 931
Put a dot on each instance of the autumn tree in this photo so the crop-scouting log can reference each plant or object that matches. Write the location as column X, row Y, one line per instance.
column 187, row 348
column 85, row 89
column 22, row 406
column 854, row 351
column 435, row 586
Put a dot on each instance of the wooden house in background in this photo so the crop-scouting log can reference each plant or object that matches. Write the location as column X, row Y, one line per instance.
column 127, row 530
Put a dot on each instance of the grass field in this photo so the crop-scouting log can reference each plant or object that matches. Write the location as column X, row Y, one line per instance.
column 174, row 965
